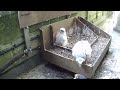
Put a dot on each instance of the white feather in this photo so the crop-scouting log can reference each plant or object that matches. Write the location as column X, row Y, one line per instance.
column 81, row 49
column 61, row 38
column 80, row 60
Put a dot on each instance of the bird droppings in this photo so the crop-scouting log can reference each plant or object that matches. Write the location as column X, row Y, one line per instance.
column 98, row 48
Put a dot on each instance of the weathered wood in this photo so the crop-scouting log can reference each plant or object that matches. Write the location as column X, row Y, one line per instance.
column 28, row 18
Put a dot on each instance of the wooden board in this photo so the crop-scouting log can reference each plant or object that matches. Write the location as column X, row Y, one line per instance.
column 27, row 18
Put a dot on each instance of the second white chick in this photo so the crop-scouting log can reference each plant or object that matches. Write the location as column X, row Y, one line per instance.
column 61, row 37
column 82, row 50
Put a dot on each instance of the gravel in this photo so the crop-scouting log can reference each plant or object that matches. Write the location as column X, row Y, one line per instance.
column 86, row 34
column 47, row 71
column 98, row 48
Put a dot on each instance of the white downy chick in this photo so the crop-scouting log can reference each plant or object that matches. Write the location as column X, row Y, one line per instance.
column 61, row 37
column 79, row 76
column 81, row 51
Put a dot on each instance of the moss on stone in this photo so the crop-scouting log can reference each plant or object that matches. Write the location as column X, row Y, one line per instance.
column 5, row 58
column 9, row 28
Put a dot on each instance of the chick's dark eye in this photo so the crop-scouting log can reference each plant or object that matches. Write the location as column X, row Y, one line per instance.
column 62, row 31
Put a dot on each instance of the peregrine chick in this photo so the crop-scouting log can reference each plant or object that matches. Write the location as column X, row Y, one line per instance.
column 61, row 37
column 79, row 76
column 82, row 49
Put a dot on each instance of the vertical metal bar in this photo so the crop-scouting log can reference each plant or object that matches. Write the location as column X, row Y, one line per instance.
column 102, row 13
column 27, row 39
column 96, row 14
column 86, row 17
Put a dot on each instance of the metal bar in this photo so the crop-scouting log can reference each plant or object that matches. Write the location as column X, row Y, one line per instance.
column 86, row 15
column 96, row 14
column 27, row 40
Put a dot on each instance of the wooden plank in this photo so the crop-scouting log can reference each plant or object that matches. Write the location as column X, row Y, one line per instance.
column 28, row 18
column 66, row 63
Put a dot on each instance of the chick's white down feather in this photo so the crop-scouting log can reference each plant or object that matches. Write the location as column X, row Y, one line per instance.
column 81, row 50
column 79, row 76
column 61, row 37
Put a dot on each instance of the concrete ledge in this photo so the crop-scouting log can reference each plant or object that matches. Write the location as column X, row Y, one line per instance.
column 26, row 66
column 116, row 29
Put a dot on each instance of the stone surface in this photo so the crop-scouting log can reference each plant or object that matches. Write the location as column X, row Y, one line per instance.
column 47, row 71
column 110, row 67
column 117, row 26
